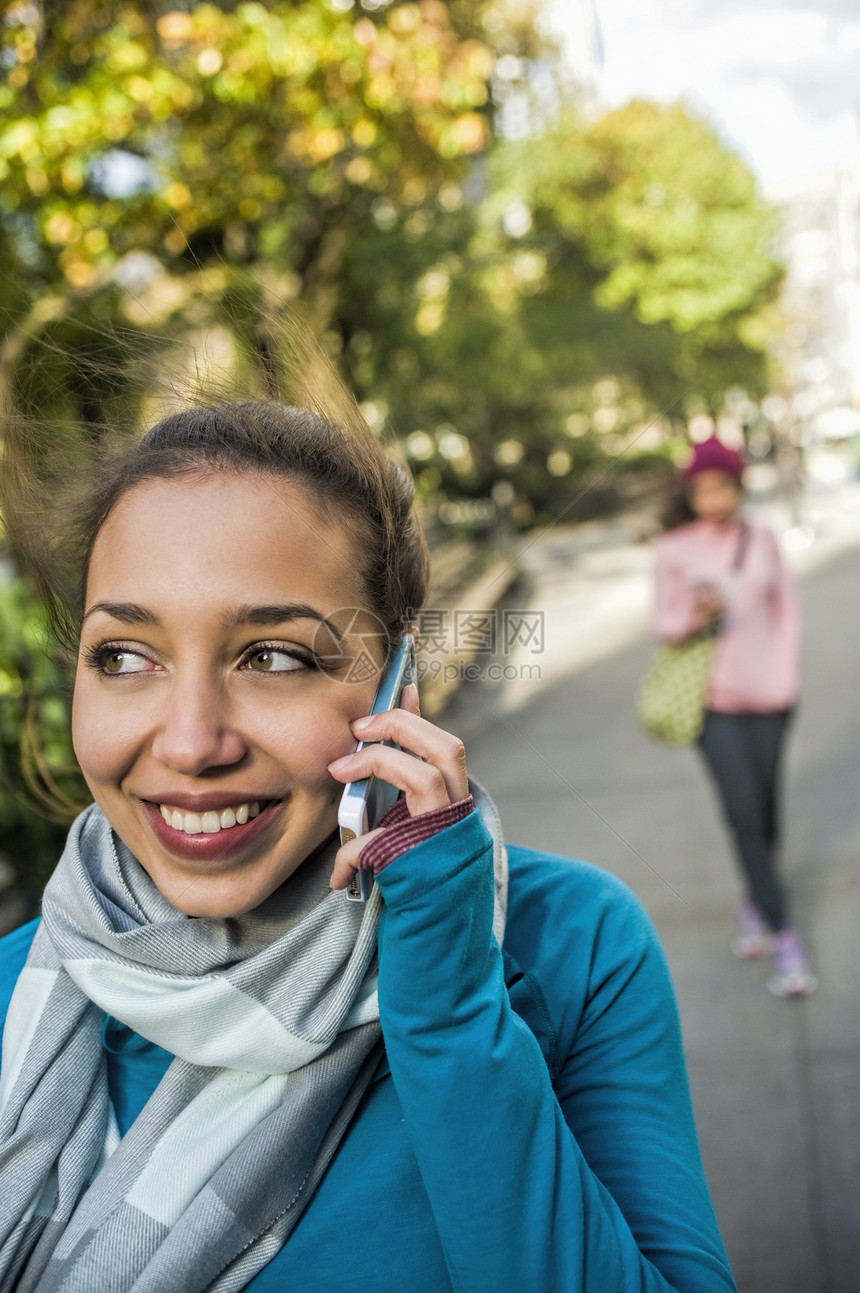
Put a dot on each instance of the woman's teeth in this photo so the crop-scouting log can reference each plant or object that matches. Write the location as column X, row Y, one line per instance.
column 212, row 822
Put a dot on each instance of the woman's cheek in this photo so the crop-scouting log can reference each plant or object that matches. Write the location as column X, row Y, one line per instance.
column 90, row 753
column 306, row 743
column 335, row 743
column 103, row 745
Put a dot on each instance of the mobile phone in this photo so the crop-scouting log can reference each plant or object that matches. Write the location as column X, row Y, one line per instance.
column 363, row 803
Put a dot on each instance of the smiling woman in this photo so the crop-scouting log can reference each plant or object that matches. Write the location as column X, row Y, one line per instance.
column 206, row 716
column 218, row 1072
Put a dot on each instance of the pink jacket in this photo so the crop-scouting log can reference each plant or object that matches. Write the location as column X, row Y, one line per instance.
column 756, row 661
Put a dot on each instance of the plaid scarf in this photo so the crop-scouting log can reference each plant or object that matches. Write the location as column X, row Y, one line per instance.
column 275, row 1028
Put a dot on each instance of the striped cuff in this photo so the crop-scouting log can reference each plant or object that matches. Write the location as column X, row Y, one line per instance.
column 402, row 832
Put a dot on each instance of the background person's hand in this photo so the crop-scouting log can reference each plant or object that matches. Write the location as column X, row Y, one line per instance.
column 708, row 602
column 430, row 768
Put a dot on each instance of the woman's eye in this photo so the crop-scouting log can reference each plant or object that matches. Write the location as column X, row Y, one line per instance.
column 270, row 660
column 116, row 662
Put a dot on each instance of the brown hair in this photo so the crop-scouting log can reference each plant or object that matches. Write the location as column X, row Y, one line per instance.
column 677, row 510
column 339, row 461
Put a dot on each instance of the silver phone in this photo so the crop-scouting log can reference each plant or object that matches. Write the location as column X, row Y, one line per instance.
column 364, row 803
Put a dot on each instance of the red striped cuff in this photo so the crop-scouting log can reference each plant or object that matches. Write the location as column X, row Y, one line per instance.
column 402, row 832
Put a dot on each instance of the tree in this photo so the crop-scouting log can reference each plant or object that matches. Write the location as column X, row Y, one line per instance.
column 670, row 221
column 609, row 273
column 141, row 144
column 40, row 785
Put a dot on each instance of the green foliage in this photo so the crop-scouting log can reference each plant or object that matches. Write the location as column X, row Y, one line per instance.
column 258, row 131
column 296, row 152
column 666, row 223
column 40, row 784
column 610, row 275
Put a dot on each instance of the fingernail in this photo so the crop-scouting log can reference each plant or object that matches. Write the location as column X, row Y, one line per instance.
column 337, row 763
column 361, row 722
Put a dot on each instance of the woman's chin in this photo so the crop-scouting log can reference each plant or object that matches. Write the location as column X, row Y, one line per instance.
column 220, row 897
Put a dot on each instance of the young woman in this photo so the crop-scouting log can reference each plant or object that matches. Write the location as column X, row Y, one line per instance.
column 218, row 1072
column 716, row 569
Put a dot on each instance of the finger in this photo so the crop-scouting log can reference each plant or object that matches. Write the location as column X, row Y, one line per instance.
column 410, row 700
column 422, row 783
column 424, row 740
column 346, row 859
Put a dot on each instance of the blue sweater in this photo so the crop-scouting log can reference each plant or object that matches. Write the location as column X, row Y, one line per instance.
column 531, row 1131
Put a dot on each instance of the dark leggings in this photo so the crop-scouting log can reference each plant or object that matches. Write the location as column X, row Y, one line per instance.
column 743, row 752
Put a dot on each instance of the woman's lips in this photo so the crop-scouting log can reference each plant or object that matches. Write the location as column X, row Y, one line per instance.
column 207, row 848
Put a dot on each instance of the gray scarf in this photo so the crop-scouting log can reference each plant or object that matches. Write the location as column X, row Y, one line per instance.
column 274, row 1023
column 276, row 1034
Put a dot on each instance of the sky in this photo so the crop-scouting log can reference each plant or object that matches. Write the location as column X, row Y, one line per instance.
column 779, row 81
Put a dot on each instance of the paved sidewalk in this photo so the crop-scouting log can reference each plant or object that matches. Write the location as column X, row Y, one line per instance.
column 776, row 1084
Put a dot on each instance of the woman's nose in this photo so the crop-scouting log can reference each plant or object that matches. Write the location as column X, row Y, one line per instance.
column 196, row 731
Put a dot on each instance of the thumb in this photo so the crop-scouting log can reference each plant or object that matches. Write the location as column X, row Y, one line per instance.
column 346, row 858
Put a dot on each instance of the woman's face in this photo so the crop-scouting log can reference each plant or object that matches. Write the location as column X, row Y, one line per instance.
column 214, row 682
column 714, row 496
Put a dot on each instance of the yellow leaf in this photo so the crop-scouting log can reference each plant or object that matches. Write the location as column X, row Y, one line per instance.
column 79, row 273
column 177, row 196
column 37, row 180
column 175, row 26
column 61, row 228
column 209, row 61
column 359, row 170
column 364, row 133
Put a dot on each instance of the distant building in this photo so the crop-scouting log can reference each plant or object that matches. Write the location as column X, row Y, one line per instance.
column 820, row 349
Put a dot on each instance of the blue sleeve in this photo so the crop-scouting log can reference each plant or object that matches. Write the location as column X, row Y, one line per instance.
column 517, row 1202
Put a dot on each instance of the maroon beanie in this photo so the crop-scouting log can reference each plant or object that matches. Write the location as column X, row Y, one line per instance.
column 713, row 455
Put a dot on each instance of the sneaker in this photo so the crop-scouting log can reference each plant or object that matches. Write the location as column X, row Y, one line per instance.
column 792, row 976
column 752, row 940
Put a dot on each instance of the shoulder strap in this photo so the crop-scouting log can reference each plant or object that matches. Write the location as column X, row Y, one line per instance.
column 743, row 544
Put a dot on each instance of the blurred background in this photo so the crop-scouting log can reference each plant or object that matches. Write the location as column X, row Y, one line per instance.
column 547, row 243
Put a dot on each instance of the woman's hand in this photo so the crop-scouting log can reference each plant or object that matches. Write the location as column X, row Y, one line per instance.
column 708, row 602
column 430, row 768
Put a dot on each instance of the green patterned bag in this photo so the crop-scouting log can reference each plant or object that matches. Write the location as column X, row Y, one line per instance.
column 671, row 701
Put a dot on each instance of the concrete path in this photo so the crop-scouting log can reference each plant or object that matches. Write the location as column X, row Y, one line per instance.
column 776, row 1085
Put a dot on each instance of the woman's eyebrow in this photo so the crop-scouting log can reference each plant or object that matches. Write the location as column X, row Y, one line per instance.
column 270, row 616
column 127, row 612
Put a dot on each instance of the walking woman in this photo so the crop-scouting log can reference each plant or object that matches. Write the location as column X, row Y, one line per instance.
column 219, row 1073
column 716, row 569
